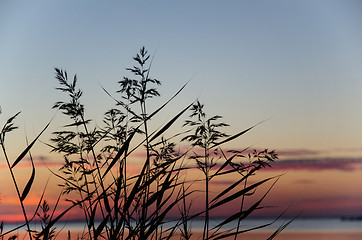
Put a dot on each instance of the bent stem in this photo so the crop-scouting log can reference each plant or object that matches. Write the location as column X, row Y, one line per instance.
column 7, row 128
column 17, row 190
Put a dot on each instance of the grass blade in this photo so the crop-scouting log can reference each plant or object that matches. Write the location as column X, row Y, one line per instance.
column 29, row 183
column 239, row 193
column 136, row 187
column 99, row 229
column 235, row 136
column 22, row 155
column 124, row 147
column 231, row 187
column 169, row 124
column 78, row 123
column 160, row 108
column 128, row 109
column 226, row 235
column 243, row 214
column 281, row 228
column 228, row 161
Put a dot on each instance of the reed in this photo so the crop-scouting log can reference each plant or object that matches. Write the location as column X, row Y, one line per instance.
column 95, row 176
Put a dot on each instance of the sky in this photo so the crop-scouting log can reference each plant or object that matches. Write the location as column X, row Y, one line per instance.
column 294, row 64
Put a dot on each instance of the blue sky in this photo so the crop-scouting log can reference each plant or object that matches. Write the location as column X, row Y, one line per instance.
column 297, row 63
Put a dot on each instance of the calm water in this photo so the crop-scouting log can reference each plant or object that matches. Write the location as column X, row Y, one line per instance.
column 308, row 225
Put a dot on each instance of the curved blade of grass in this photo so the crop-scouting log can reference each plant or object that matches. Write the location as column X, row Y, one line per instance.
column 22, row 155
column 136, row 186
column 244, row 214
column 78, row 123
column 226, row 235
column 140, row 186
column 231, row 187
column 240, row 193
column 119, row 102
column 236, row 135
column 158, row 195
column 124, row 147
column 257, row 227
column 228, row 161
column 172, row 137
column 169, row 124
column 160, row 108
column 29, row 183
column 281, row 228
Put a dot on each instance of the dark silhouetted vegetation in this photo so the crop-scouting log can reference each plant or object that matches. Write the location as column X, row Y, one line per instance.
column 116, row 204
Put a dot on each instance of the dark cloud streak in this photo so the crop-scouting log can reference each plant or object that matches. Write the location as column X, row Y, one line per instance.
column 318, row 164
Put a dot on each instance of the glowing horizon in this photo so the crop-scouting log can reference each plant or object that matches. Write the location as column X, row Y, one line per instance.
column 305, row 186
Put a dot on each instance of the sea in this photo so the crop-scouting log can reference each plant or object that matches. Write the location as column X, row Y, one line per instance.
column 309, row 226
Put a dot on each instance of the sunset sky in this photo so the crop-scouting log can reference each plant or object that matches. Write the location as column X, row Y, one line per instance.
column 296, row 65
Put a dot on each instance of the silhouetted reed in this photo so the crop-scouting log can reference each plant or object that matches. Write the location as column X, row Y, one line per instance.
column 118, row 205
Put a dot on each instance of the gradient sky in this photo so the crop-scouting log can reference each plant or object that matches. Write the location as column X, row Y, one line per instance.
column 297, row 64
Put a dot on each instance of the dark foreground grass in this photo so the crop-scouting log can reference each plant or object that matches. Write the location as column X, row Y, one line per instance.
column 95, row 177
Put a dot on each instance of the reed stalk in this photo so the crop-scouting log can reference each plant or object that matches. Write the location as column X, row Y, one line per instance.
column 95, row 175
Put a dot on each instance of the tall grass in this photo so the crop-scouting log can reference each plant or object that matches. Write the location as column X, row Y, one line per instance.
column 118, row 205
